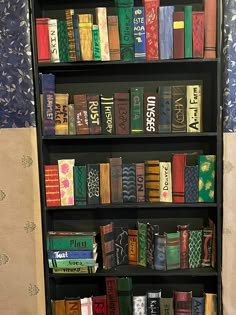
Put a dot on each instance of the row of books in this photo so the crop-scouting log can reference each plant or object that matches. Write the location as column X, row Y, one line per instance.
column 129, row 34
column 120, row 299
column 175, row 107
column 187, row 178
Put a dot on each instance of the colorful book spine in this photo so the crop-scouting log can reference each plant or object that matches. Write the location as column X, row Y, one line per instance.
column 72, row 306
column 70, row 242
column 139, row 305
column 206, row 247
column 198, row 22
column 152, row 180
column 153, row 302
column 122, row 113
column 53, row 40
column 140, row 182
column 121, row 245
column 206, row 182
column 191, row 183
column 96, row 43
column 73, row 254
column 46, row 83
column 113, row 37
column 86, row 37
column 43, row 47
column 188, row 49
column 48, row 104
column 198, row 305
column 108, row 248
column 136, row 109
column 210, row 29
column 210, row 303
column 63, row 41
column 178, row 168
column 101, row 18
column 160, row 252
column 108, row 114
column 94, row 114
column 166, row 32
column 105, row 191
column 165, row 105
column 194, row 248
column 172, row 250
column 194, row 108
column 183, row 303
column 86, row 306
column 139, row 33
column 129, row 182
column 165, row 182
column 80, row 185
column 150, row 112
column 166, row 306
column 93, row 184
column 116, row 180
column 81, row 114
column 71, row 120
column 133, row 247
column 142, row 244
column 112, row 296
column 75, row 23
column 70, row 263
column 183, row 230
column 178, row 35
column 124, row 287
column 61, row 114
column 52, row 187
column 99, row 305
column 71, row 39
column 179, row 120
column 65, row 168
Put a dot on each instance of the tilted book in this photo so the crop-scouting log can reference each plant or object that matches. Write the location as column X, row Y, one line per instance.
column 139, row 305
column 112, row 296
column 165, row 182
column 183, row 303
column 86, row 38
column 93, row 184
column 61, row 114
column 101, row 18
column 206, row 175
column 108, row 246
column 172, row 250
column 194, row 108
column 139, row 33
column 52, row 186
column 152, row 180
column 66, row 181
column 121, row 245
column 53, row 40
column 129, row 182
column 195, row 248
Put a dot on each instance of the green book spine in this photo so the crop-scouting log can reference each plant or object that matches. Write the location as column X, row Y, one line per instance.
column 96, row 43
column 71, row 263
column 71, row 119
column 142, row 244
column 70, row 242
column 194, row 248
column 126, row 29
column 172, row 250
column 80, row 189
column 188, row 31
column 136, row 103
column 124, row 287
column 167, row 306
column 63, row 41
column 206, row 175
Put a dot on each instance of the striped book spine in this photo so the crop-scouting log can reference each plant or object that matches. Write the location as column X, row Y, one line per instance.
column 152, row 180
column 52, row 187
column 70, row 31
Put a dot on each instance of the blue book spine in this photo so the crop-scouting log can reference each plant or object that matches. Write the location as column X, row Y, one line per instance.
column 48, row 100
column 198, row 306
column 160, row 252
column 73, row 254
column 46, row 83
column 166, row 32
column 76, row 36
column 139, row 33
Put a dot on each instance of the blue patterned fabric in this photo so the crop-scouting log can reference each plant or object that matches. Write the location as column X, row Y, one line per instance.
column 229, row 66
column 17, row 108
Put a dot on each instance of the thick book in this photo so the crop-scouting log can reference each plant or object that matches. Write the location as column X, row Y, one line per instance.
column 139, row 33
column 108, row 114
column 184, row 231
column 86, row 37
column 133, row 247
column 86, row 306
column 108, row 246
column 121, row 245
column 167, row 306
column 198, row 305
column 142, row 244
column 206, row 178
column 94, row 113
column 71, row 263
column 53, row 40
column 124, row 287
column 71, row 120
column 58, row 307
column 166, row 32
column 178, row 35
column 93, row 184
column 52, row 186
column 66, row 181
column 165, row 108
column 140, row 182
column 195, row 248
column 82, row 242
column 99, row 305
column 80, row 185
column 179, row 117
column 72, row 306
column 153, row 302
column 71, row 39
column 96, row 43
column 188, row 47
column 112, row 296
column 152, row 180
column 116, row 180
column 139, row 305
column 206, row 247
column 191, row 183
column 210, row 29
column 194, row 108
column 150, row 112
column 122, row 113
column 172, row 250
column 101, row 19
column 129, row 182
column 178, row 167
column 210, row 303
column 105, row 185
column 136, row 109
column 198, row 22
column 43, row 48
column 152, row 230
column 61, row 114
column 63, row 41
column 160, row 252
column 113, row 37
column 81, row 114
column 183, row 303
column 165, row 182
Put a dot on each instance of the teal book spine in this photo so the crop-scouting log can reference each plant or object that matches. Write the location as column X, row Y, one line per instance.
column 188, row 31
column 63, row 41
column 96, row 43
column 80, row 186
column 172, row 251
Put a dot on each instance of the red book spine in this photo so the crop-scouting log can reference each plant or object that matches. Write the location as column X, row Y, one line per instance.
column 52, row 187
column 140, row 182
column 178, row 35
column 81, row 114
column 210, row 29
column 112, row 296
column 198, row 33
column 183, row 303
column 178, row 167
column 122, row 113
column 151, row 26
column 42, row 35
column 183, row 229
column 99, row 305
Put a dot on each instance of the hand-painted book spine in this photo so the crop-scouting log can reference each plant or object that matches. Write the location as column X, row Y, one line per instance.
column 198, row 305
column 139, row 305
column 121, row 245
column 73, row 306
column 94, row 114
column 133, row 247
column 195, row 248
column 166, row 32
column 70, row 242
column 165, row 106
column 184, row 231
column 178, row 35
column 81, row 114
column 61, row 114
column 99, row 305
column 210, row 29
column 152, row 180
column 165, row 182
column 129, row 182
column 80, row 270
column 198, row 22
column 213, row 251
column 206, row 247
column 101, row 18
column 86, row 306
column 93, row 184
column 178, row 168
column 188, row 48
column 86, row 37
column 112, row 296
column 122, row 113
column 151, row 110
column 116, row 180
column 153, row 302
column 52, row 187
column 65, row 168
column 126, row 29
column 151, row 25
column 105, row 190
column 53, row 40
column 142, row 244
column 58, row 307
column 63, row 41
column 151, row 231
column 194, row 108
column 71, row 120
column 210, row 303
column 113, row 37
column 191, row 183
column 70, row 263
column 206, row 182
column 70, row 31
column 80, row 185
column 179, row 119
column 160, row 252
column 75, row 23
column 46, row 83
column 172, row 250
column 124, row 287
column 108, row 114
column 96, row 43
column 167, row 306
column 108, row 247
column 139, row 33
column 183, row 303
column 136, row 109
column 70, row 233
column 43, row 47
column 140, row 182
column 73, row 254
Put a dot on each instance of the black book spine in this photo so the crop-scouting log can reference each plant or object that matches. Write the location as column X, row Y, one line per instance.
column 129, row 182
column 108, row 114
column 93, row 184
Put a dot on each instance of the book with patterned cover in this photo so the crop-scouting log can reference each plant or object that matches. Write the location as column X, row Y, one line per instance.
column 195, row 248
column 71, row 39
column 94, row 114
column 63, row 41
column 166, row 32
column 198, row 21
column 206, row 247
column 139, row 305
column 122, row 113
column 165, row 182
column 183, row 303
column 99, row 305
column 112, row 296
column 206, row 178
column 140, row 182
column 160, row 252
column 150, row 112
column 116, row 180
column 153, row 302
column 108, row 247
column 75, row 23
column 152, row 229
column 133, row 247
column 61, row 114
column 178, row 119
column 80, row 185
column 101, row 19
column 72, row 306
column 152, row 180
column 124, row 287
column 178, row 168
column 66, row 180
column 183, row 230
column 129, row 182
column 93, row 184
column 167, row 306
column 105, row 185
column 165, row 106
column 172, row 250
column 191, row 183
column 139, row 33
column 113, row 37
column 142, row 244
column 86, row 37
column 198, row 305
column 121, row 245
column 52, row 187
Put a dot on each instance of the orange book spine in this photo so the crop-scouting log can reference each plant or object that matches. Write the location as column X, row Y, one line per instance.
column 52, row 187
column 210, row 29
column 133, row 247
column 105, row 192
column 114, row 37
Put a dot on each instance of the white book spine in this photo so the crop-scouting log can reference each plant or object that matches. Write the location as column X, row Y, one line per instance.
column 53, row 40
column 140, row 305
column 165, row 182
column 101, row 16
column 194, row 108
